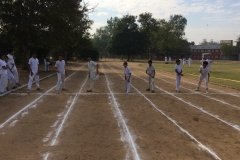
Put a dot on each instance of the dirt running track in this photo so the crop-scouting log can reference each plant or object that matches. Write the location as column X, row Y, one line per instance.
column 109, row 124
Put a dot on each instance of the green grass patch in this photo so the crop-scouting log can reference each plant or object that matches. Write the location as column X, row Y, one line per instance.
column 222, row 73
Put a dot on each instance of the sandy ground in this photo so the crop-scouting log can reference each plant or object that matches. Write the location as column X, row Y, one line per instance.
column 110, row 124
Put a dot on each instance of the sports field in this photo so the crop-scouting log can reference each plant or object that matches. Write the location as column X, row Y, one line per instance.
column 109, row 124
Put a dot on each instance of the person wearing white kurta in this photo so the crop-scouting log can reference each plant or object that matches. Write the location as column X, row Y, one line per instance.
column 189, row 61
column 10, row 74
column 169, row 59
column 166, row 60
column 34, row 72
column 128, row 75
column 204, row 75
column 93, row 74
column 3, row 75
column 181, row 61
column 61, row 73
column 150, row 71
column 178, row 71
column 184, row 62
column 13, row 68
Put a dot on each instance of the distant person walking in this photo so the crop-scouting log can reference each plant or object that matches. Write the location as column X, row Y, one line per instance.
column 61, row 73
column 13, row 68
column 3, row 74
column 169, row 59
column 204, row 74
column 189, row 62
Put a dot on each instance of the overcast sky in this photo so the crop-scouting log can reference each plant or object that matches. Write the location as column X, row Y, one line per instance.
column 207, row 19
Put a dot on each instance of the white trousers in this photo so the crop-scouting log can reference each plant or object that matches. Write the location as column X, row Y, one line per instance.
column 3, row 82
column 15, row 73
column 151, row 83
column 178, row 81
column 46, row 66
column 205, row 78
column 127, row 84
column 61, row 78
column 36, row 78
column 93, row 78
column 11, row 79
column 189, row 64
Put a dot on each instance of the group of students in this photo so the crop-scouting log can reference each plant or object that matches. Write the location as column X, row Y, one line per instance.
column 150, row 71
column 204, row 74
column 8, row 72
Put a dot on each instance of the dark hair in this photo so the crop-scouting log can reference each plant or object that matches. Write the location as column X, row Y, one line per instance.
column 149, row 61
column 60, row 55
column 89, row 56
column 10, row 50
column 205, row 62
column 125, row 63
column 6, row 56
column 34, row 53
column 178, row 60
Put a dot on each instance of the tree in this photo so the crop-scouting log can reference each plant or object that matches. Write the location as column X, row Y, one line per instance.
column 228, row 50
column 53, row 24
column 127, row 39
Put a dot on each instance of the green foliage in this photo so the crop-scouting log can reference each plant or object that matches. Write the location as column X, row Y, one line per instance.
column 44, row 26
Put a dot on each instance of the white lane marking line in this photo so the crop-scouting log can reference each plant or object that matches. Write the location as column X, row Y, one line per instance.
column 53, row 94
column 234, row 126
column 30, row 104
column 232, row 94
column 174, row 122
column 204, row 95
column 54, row 140
column 13, row 123
column 66, row 115
column 122, row 119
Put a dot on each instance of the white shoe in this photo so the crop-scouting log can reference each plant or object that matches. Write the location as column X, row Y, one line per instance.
column 28, row 91
column 207, row 92
column 57, row 92
column 197, row 89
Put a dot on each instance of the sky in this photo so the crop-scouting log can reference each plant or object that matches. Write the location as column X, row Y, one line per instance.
column 206, row 19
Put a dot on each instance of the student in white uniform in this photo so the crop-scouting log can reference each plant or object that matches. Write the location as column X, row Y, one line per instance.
column 184, row 62
column 166, row 61
column 34, row 72
column 93, row 74
column 179, row 74
column 189, row 62
column 3, row 75
column 204, row 74
column 10, row 74
column 209, row 64
column 128, row 75
column 169, row 59
column 150, row 71
column 181, row 61
column 61, row 73
column 46, row 65
column 14, row 68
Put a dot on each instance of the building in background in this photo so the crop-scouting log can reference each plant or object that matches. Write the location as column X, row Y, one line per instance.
column 227, row 42
column 213, row 49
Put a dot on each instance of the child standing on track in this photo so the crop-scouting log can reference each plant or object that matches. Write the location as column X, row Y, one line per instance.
column 61, row 73
column 93, row 74
column 10, row 74
column 3, row 74
column 128, row 75
column 34, row 72
column 179, row 74
column 204, row 74
column 151, row 73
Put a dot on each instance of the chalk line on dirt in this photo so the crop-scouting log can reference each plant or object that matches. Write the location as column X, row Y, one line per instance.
column 174, row 122
column 30, row 104
column 122, row 120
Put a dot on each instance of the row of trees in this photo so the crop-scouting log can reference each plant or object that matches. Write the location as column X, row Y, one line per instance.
column 45, row 26
column 132, row 35
column 230, row 50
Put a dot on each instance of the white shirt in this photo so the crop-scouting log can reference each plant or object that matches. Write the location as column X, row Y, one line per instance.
column 3, row 63
column 60, row 66
column 169, row 59
column 204, row 71
column 33, row 64
column 127, row 71
column 178, row 68
column 150, row 70
column 45, row 61
column 181, row 60
column 189, row 60
column 91, row 66
column 209, row 63
column 10, row 66
column 11, row 60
